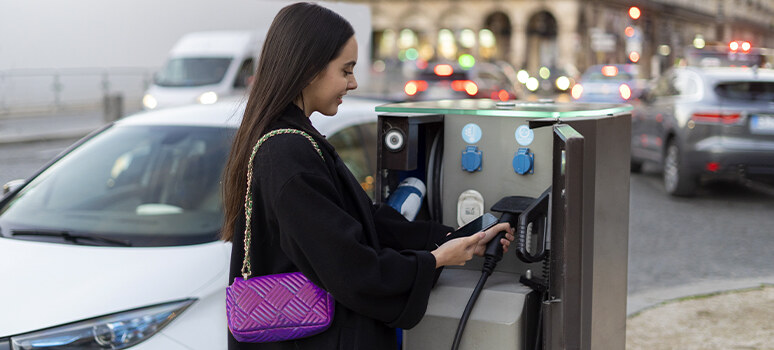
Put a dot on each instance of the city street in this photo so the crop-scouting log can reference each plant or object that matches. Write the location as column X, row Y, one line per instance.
column 723, row 233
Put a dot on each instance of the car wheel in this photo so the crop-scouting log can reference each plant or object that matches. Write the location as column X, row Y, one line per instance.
column 636, row 166
column 678, row 181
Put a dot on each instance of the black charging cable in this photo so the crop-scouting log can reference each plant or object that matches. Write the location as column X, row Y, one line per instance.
column 492, row 255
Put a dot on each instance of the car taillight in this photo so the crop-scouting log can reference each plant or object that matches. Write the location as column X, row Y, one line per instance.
column 443, row 70
column 465, row 85
column 576, row 91
column 503, row 95
column 414, row 86
column 609, row 71
column 471, row 88
column 625, row 91
column 725, row 118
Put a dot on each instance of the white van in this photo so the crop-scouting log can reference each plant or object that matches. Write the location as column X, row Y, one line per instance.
column 204, row 67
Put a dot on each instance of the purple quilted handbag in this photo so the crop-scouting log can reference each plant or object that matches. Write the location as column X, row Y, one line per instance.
column 276, row 307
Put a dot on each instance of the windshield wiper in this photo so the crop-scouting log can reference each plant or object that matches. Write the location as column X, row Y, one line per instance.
column 67, row 236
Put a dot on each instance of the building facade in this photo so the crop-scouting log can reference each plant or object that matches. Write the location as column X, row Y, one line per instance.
column 566, row 34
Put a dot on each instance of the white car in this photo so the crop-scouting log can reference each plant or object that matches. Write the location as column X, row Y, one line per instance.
column 114, row 243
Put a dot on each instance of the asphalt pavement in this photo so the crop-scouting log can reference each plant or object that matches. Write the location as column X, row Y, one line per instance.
column 75, row 124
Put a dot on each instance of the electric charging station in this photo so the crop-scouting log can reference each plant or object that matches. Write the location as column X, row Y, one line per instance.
column 560, row 174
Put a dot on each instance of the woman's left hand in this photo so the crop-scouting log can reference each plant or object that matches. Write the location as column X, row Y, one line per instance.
column 491, row 233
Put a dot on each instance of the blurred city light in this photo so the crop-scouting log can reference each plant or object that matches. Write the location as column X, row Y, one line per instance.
column 629, row 31
column 532, row 84
column 625, row 91
column 634, row 12
column 503, row 95
column 746, row 46
column 522, row 76
column 544, row 72
column 664, row 50
column 634, row 56
column 467, row 61
column 609, row 71
column 443, row 70
column 563, row 83
column 407, row 39
column 471, row 88
column 412, row 54
column 467, row 38
column 576, row 91
column 734, row 46
column 447, row 45
column 698, row 42
column 379, row 66
column 486, row 38
column 410, row 88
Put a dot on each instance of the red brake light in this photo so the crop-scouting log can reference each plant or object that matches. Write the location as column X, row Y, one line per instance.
column 725, row 118
column 733, row 46
column 609, row 71
column 414, row 86
column 443, row 70
column 503, row 95
column 471, row 88
column 625, row 91
column 410, row 88
column 746, row 46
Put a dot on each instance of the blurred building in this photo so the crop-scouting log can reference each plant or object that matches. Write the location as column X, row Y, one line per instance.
column 566, row 34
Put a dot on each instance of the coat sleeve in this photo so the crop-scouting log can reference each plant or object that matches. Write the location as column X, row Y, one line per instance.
column 398, row 233
column 328, row 245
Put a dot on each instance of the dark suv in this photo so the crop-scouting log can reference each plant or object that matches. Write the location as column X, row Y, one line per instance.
column 704, row 123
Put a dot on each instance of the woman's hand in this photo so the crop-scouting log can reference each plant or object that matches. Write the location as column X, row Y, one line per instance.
column 491, row 233
column 457, row 251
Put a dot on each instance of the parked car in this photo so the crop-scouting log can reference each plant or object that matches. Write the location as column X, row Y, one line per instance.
column 441, row 81
column 114, row 243
column 702, row 123
column 611, row 83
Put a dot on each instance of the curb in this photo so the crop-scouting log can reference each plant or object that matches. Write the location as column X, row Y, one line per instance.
column 636, row 303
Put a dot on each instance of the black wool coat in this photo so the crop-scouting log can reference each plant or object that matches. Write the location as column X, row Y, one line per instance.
column 312, row 216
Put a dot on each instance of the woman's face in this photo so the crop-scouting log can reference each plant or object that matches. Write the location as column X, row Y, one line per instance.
column 326, row 90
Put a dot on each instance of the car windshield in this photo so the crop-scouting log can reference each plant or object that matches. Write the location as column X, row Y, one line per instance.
column 193, row 71
column 148, row 185
column 746, row 90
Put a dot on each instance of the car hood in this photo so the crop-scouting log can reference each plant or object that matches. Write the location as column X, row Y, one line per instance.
column 49, row 284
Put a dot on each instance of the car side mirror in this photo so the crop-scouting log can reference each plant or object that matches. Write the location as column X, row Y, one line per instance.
column 12, row 186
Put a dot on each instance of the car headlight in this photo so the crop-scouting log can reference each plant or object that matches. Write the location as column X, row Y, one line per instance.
column 207, row 98
column 149, row 101
column 115, row 331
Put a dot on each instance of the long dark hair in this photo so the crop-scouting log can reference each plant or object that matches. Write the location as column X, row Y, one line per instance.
column 302, row 40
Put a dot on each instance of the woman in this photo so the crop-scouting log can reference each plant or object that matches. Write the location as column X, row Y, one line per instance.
column 310, row 214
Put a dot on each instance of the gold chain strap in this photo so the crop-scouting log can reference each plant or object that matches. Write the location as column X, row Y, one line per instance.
column 246, row 268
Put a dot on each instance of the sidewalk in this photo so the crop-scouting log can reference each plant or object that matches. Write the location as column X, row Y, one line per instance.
column 731, row 320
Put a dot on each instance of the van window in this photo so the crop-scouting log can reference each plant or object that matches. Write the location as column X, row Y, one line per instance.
column 245, row 71
column 746, row 90
column 193, row 71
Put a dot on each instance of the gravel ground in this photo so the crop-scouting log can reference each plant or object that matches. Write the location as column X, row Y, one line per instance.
column 734, row 320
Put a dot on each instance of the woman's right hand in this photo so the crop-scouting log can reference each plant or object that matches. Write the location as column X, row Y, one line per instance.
column 457, row 251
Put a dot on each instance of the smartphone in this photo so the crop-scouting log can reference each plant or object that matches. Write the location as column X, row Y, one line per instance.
column 481, row 223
